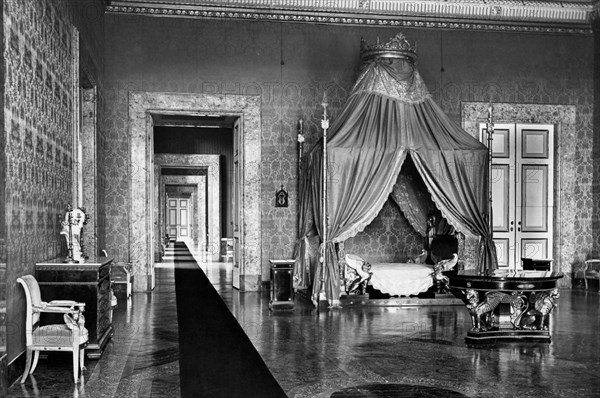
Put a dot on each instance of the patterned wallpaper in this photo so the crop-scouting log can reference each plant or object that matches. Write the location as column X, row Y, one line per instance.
column 37, row 107
column 38, row 124
column 596, row 142
column 3, row 383
column 246, row 58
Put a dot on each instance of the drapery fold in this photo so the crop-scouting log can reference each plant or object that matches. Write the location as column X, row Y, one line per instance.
column 389, row 116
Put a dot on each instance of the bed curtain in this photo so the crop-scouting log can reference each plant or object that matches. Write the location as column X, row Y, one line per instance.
column 390, row 115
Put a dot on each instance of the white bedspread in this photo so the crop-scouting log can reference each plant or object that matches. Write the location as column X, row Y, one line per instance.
column 401, row 279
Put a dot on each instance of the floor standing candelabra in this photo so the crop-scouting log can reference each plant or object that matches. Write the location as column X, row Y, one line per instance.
column 324, row 126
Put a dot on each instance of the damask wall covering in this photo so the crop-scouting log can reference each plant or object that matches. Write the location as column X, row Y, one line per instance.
column 38, row 127
column 235, row 57
column 596, row 142
column 38, row 123
column 3, row 357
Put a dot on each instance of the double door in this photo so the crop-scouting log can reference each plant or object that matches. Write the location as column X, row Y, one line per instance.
column 178, row 218
column 522, row 191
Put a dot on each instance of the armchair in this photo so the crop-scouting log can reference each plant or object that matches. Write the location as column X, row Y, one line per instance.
column 70, row 336
column 591, row 270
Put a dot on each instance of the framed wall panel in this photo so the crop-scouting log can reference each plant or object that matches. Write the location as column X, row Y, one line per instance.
column 536, row 249
column 500, row 144
column 534, row 144
column 503, row 252
column 534, row 204
column 500, row 191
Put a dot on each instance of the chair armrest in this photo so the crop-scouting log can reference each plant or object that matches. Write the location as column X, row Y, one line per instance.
column 65, row 309
column 57, row 310
column 65, row 303
column 589, row 264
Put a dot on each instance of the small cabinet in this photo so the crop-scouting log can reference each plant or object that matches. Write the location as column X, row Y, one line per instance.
column 282, row 287
column 89, row 283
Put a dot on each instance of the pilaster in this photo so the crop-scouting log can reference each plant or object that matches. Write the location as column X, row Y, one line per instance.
column 595, row 21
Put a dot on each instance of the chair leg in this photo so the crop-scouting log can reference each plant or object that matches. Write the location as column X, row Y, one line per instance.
column 81, row 359
column 75, row 366
column 27, row 365
column 36, row 357
column 585, row 281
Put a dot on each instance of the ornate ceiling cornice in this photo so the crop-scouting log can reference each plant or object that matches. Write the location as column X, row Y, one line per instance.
column 481, row 15
column 595, row 14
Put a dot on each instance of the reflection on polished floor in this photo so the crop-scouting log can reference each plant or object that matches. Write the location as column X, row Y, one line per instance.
column 348, row 352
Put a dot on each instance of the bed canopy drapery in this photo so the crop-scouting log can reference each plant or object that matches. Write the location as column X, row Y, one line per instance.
column 389, row 115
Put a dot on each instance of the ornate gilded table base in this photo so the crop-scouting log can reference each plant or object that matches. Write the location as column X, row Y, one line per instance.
column 508, row 306
column 509, row 316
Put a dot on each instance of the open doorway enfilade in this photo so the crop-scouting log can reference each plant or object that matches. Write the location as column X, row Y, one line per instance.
column 195, row 156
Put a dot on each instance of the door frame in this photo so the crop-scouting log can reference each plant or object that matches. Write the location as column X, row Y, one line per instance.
column 563, row 117
column 197, row 184
column 142, row 105
column 510, row 163
column 212, row 180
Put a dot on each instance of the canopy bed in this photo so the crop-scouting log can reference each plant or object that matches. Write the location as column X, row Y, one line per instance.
column 391, row 140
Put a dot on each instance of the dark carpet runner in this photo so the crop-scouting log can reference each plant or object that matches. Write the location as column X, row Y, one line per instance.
column 217, row 359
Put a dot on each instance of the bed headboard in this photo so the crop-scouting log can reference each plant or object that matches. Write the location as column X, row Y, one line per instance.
column 442, row 247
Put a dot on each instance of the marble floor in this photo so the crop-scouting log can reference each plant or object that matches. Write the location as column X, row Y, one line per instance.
column 348, row 352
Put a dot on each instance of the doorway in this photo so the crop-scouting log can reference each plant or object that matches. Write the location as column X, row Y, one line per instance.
column 143, row 236
column 201, row 177
column 180, row 213
column 522, row 191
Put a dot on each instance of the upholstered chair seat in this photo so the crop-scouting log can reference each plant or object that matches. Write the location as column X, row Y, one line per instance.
column 56, row 335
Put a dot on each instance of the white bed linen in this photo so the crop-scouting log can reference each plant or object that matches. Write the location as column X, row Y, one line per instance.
column 401, row 279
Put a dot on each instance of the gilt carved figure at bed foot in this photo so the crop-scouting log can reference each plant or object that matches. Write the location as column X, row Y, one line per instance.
column 358, row 273
column 439, row 268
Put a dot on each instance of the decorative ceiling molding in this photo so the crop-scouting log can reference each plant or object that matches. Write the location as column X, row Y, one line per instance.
column 595, row 14
column 488, row 15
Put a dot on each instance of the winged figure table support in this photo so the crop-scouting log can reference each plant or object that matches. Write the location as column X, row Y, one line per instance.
column 507, row 305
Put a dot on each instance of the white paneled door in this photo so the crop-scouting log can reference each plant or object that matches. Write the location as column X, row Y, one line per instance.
column 522, row 186
column 178, row 218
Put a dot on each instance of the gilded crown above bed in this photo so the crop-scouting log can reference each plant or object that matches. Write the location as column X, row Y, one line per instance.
column 397, row 47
